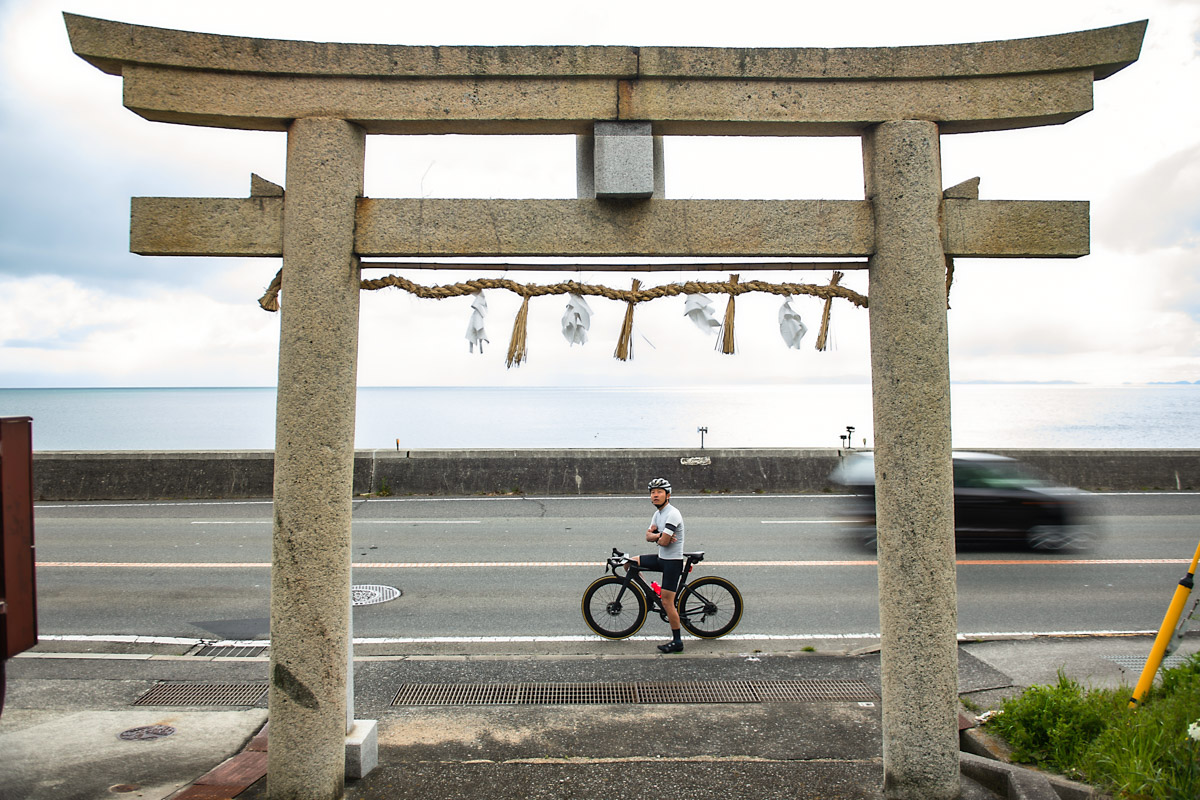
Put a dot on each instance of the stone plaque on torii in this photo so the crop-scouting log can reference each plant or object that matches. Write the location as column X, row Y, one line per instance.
column 328, row 97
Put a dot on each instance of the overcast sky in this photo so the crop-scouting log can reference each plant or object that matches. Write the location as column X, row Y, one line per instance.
column 77, row 309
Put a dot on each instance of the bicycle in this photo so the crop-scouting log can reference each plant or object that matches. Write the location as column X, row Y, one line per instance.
column 616, row 607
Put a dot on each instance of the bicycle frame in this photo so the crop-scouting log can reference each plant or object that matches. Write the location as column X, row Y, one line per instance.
column 615, row 606
column 633, row 574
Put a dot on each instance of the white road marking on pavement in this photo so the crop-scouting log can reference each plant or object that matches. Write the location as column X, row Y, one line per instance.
column 574, row 498
column 416, row 522
column 354, row 522
column 68, row 504
column 544, row 499
column 533, row 639
column 158, row 564
column 593, row 563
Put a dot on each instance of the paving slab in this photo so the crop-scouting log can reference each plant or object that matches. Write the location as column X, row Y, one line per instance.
column 61, row 725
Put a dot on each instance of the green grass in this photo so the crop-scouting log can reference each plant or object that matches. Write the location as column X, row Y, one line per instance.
column 1092, row 735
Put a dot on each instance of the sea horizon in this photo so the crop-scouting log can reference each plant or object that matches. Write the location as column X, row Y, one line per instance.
column 995, row 415
column 821, row 381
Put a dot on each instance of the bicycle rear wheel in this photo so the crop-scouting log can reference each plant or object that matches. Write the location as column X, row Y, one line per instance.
column 710, row 607
column 609, row 616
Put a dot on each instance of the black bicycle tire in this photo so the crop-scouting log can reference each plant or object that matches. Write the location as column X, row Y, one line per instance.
column 633, row 596
column 732, row 599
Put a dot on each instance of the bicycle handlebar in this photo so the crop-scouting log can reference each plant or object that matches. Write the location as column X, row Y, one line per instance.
column 618, row 558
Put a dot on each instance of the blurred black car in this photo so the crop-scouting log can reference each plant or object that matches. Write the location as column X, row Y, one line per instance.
column 996, row 499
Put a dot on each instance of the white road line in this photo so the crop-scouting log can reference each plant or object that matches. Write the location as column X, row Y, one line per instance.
column 596, row 563
column 66, row 504
column 416, row 522
column 158, row 564
column 799, row 521
column 1143, row 494
column 573, row 498
column 540, row 499
column 353, row 522
column 535, row 639
column 118, row 638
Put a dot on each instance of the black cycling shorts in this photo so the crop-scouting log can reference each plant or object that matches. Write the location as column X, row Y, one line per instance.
column 671, row 568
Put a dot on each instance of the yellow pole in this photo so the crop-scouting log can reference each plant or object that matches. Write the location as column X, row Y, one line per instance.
column 1174, row 611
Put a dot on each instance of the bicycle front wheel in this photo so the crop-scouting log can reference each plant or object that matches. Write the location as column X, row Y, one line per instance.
column 710, row 607
column 612, row 613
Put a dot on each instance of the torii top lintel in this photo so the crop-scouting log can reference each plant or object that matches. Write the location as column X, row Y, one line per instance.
column 263, row 84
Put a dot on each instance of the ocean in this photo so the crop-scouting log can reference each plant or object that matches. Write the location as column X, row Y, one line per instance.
column 983, row 416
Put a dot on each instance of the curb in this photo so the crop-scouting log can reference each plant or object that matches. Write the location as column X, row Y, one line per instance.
column 983, row 759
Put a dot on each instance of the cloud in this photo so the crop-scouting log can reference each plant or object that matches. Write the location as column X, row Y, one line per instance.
column 1159, row 208
column 74, row 335
column 79, row 309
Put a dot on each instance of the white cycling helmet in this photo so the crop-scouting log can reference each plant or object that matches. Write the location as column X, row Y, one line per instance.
column 659, row 483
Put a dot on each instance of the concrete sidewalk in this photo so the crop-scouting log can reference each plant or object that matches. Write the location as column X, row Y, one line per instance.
column 59, row 733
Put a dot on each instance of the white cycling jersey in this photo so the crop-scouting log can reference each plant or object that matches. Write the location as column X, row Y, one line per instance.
column 669, row 520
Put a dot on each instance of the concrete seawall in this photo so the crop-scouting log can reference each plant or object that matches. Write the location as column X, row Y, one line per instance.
column 177, row 475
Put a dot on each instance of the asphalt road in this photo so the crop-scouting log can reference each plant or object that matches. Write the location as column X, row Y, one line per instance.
column 517, row 567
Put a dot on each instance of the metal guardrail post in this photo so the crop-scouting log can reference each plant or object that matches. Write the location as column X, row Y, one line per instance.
column 1165, row 633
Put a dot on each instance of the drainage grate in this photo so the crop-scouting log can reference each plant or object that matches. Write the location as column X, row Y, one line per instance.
column 230, row 651
column 1139, row 662
column 203, row 694
column 814, row 690
column 369, row 595
column 475, row 694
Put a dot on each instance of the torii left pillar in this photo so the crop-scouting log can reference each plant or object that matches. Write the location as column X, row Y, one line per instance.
column 314, row 461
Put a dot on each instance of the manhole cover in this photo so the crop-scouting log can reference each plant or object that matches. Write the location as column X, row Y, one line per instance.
column 370, row 595
column 146, row 732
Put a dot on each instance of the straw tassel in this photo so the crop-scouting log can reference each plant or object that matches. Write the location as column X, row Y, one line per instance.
column 624, row 350
column 823, row 335
column 516, row 345
column 270, row 299
column 949, row 278
column 726, row 342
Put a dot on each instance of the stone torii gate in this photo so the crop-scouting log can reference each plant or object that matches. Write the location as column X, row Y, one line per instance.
column 328, row 97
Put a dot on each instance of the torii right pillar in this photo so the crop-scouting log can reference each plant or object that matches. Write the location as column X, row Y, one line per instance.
column 910, row 376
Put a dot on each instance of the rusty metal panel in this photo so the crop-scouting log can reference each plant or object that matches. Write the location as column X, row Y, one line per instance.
column 18, row 604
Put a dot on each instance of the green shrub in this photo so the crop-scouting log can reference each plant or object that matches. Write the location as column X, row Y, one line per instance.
column 1147, row 753
column 1093, row 735
column 1051, row 726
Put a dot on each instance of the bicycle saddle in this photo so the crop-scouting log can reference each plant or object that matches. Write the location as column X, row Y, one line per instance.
column 697, row 556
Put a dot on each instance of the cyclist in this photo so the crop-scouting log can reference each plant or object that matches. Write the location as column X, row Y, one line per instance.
column 666, row 530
